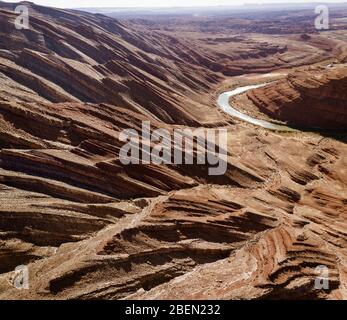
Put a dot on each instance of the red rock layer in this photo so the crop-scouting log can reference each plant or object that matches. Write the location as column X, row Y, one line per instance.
column 309, row 99
column 89, row 227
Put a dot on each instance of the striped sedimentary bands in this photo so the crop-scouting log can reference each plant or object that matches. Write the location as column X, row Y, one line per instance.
column 282, row 263
column 89, row 227
column 315, row 98
column 223, row 242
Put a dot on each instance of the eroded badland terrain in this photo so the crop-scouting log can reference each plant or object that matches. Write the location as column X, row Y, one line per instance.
column 89, row 227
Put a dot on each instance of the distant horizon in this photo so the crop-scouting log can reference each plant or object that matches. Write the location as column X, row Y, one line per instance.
column 157, row 4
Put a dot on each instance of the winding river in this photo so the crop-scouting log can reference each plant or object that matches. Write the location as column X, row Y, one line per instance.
column 223, row 103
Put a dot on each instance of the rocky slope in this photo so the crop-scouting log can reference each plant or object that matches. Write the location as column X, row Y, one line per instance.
column 316, row 98
column 89, row 227
column 207, row 241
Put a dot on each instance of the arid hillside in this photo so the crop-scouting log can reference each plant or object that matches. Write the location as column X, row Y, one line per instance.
column 89, row 227
column 316, row 98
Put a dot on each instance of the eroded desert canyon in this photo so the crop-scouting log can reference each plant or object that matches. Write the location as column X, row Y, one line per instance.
column 89, row 227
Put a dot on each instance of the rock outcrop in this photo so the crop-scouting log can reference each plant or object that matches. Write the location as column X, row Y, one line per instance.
column 88, row 226
column 309, row 99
